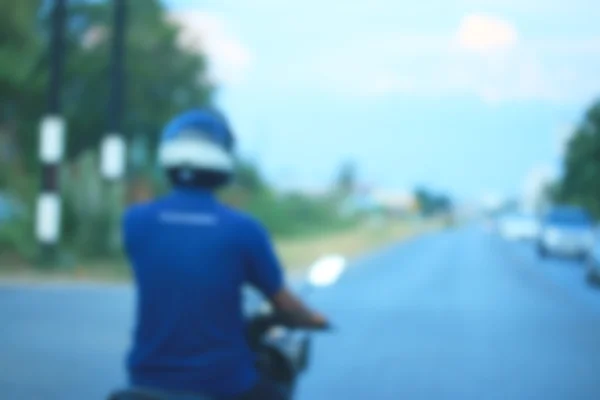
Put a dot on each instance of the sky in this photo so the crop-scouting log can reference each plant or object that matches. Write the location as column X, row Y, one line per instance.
column 466, row 96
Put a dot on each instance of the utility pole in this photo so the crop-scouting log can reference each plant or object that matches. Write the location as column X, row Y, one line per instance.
column 52, row 143
column 113, row 151
column 117, row 68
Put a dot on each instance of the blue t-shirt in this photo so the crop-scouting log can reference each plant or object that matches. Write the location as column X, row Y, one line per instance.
column 191, row 257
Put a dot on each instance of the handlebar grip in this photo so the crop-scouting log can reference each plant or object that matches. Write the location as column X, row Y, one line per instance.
column 330, row 328
column 263, row 322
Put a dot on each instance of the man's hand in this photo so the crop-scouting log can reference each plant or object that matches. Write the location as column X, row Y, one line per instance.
column 286, row 303
column 319, row 321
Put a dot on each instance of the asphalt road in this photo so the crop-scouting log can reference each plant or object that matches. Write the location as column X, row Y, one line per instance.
column 457, row 315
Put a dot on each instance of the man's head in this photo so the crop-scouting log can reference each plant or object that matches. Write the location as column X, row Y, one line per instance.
column 196, row 150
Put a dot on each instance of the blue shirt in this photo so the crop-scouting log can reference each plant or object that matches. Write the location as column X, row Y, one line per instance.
column 190, row 257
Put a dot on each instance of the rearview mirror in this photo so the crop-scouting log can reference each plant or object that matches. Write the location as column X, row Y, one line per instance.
column 326, row 271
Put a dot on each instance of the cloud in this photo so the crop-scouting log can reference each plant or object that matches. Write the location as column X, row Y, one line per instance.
column 484, row 56
column 500, row 75
column 531, row 7
column 485, row 33
column 209, row 33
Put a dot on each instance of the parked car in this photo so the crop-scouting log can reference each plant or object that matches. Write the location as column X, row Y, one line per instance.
column 566, row 231
column 519, row 226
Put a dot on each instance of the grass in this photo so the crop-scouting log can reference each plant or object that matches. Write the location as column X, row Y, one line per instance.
column 113, row 271
column 298, row 253
column 295, row 254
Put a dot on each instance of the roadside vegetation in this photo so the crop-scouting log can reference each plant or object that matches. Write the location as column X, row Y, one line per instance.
column 303, row 224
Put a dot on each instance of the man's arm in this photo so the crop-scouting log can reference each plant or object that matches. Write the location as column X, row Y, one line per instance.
column 294, row 309
column 265, row 273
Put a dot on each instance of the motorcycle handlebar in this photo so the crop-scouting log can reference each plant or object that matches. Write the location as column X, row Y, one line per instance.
column 264, row 322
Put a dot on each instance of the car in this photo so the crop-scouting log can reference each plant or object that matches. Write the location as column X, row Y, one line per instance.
column 519, row 226
column 566, row 231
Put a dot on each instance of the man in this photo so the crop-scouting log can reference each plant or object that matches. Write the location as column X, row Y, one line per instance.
column 190, row 256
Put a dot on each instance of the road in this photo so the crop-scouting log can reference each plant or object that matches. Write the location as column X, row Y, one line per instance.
column 453, row 315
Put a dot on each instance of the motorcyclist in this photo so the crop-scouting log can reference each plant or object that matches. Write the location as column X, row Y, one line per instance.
column 190, row 257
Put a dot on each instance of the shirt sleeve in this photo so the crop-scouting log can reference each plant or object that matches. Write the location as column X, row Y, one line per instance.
column 263, row 269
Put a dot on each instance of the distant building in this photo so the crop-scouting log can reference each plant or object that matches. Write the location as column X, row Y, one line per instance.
column 395, row 200
column 392, row 201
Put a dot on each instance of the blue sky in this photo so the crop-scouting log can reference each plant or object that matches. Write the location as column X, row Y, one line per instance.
column 464, row 95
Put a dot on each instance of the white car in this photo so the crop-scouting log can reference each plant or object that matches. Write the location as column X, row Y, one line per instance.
column 567, row 231
column 519, row 227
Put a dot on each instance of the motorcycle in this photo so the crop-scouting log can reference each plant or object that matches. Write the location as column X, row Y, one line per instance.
column 282, row 349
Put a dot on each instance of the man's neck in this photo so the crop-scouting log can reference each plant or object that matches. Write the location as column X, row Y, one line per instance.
column 194, row 191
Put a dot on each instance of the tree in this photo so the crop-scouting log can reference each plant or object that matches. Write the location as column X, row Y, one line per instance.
column 249, row 177
column 23, row 75
column 432, row 203
column 580, row 183
column 162, row 77
column 347, row 178
column 424, row 200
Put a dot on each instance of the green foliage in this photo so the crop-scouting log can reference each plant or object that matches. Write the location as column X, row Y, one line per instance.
column 284, row 214
column 347, row 178
column 16, row 240
column 162, row 79
column 87, row 213
column 22, row 76
column 88, row 218
column 248, row 177
column 294, row 214
column 431, row 203
column 579, row 184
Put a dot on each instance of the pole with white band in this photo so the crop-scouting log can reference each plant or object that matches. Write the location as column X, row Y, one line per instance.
column 52, row 143
column 113, row 151
column 113, row 148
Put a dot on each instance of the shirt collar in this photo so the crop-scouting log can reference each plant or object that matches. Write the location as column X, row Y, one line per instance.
column 196, row 193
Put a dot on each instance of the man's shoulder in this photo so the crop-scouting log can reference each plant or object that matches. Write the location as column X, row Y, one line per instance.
column 239, row 219
column 141, row 210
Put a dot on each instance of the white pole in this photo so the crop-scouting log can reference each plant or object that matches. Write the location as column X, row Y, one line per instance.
column 52, row 143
